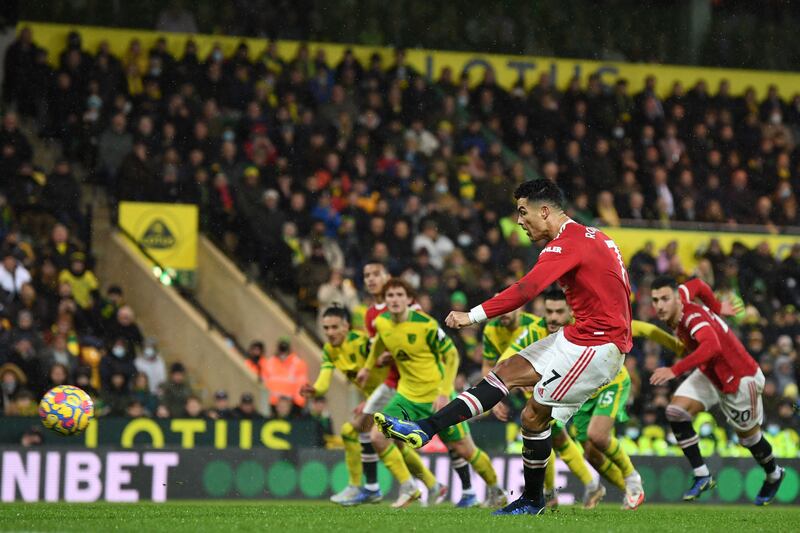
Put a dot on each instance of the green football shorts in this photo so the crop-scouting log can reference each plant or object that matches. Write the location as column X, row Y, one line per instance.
column 610, row 401
column 419, row 410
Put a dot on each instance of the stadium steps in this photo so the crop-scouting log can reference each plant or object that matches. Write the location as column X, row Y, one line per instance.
column 182, row 331
column 249, row 314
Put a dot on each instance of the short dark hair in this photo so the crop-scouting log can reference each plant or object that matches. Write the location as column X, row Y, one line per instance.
column 541, row 190
column 337, row 311
column 664, row 281
column 554, row 294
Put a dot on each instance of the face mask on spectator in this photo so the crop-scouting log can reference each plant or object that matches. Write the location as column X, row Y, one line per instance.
column 217, row 55
column 773, row 429
column 464, row 240
column 619, row 132
column 9, row 387
column 441, row 188
column 228, row 136
column 149, row 352
column 706, row 430
column 632, row 433
column 118, row 351
column 775, row 118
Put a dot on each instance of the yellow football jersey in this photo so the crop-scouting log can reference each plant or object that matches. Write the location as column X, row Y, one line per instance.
column 497, row 338
column 421, row 352
column 348, row 358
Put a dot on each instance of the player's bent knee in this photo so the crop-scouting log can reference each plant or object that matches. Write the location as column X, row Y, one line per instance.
column 534, row 419
column 516, row 371
column 599, row 438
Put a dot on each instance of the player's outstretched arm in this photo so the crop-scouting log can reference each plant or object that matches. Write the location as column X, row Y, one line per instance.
column 697, row 288
column 549, row 267
column 708, row 346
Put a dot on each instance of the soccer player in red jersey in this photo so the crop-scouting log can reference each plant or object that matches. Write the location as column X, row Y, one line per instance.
column 720, row 371
column 565, row 368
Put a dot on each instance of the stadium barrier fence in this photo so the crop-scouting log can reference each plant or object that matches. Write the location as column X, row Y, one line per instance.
column 108, row 474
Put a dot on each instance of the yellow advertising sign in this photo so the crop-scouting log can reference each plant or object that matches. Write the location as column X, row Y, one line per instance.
column 167, row 231
column 631, row 240
column 508, row 69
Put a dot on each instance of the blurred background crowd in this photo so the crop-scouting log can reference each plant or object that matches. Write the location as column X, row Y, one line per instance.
column 305, row 167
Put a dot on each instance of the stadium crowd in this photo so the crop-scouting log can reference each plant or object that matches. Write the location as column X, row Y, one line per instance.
column 307, row 166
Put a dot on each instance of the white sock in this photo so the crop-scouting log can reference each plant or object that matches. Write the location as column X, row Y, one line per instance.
column 593, row 484
column 702, row 471
column 468, row 492
column 633, row 478
column 775, row 475
column 372, row 486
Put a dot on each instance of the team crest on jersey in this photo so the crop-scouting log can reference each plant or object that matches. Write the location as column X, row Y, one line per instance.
column 412, row 337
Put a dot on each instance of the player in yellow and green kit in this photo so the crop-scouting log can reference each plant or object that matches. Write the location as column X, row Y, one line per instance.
column 427, row 362
column 594, row 422
column 501, row 331
column 347, row 351
column 557, row 315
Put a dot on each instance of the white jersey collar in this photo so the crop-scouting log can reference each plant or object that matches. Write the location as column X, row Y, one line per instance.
column 564, row 225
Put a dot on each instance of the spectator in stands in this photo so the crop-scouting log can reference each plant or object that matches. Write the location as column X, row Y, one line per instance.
column 143, row 393
column 62, row 194
column 58, row 375
column 109, row 305
column 32, row 437
column 337, row 291
column 25, row 357
column 13, row 275
column 312, row 274
column 150, row 363
column 438, row 246
column 125, row 327
column 284, row 409
column 176, row 390
column 246, row 410
column 318, row 411
column 119, row 359
column 193, row 408
column 12, row 380
column 221, row 409
column 135, row 409
column 59, row 248
column 255, row 358
column 116, row 396
column 114, row 144
column 82, row 281
column 284, row 374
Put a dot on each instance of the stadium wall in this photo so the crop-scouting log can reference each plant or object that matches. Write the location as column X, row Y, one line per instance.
column 508, row 69
column 249, row 314
column 183, row 334
column 173, row 474
column 631, row 240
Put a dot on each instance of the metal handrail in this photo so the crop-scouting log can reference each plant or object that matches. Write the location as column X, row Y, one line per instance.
column 211, row 321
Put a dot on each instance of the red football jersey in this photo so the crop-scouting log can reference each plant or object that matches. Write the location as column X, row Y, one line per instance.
column 713, row 347
column 589, row 267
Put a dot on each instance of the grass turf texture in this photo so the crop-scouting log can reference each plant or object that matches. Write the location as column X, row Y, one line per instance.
column 292, row 516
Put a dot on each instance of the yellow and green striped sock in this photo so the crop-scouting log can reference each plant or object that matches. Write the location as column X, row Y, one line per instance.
column 352, row 454
column 393, row 459
column 619, row 457
column 483, row 466
column 572, row 455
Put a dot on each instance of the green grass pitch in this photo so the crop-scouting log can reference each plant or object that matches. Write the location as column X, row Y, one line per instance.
column 288, row 517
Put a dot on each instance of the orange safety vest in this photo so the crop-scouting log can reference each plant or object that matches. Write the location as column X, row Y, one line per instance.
column 285, row 378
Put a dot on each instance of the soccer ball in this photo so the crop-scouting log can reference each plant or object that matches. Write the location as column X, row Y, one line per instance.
column 66, row 410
